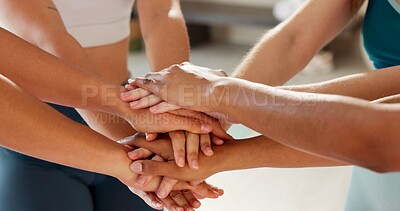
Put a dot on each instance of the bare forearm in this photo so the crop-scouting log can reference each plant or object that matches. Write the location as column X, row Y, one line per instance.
column 286, row 49
column 358, row 85
column 164, row 32
column 52, row 80
column 33, row 128
column 338, row 127
column 263, row 152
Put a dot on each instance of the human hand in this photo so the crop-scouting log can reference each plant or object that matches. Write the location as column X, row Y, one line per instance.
column 163, row 147
column 171, row 85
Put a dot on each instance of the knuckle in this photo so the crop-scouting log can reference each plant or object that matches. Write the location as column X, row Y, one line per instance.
column 176, row 194
column 193, row 154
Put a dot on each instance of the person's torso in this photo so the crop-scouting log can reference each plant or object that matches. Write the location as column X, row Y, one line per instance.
column 381, row 32
column 77, row 13
column 370, row 191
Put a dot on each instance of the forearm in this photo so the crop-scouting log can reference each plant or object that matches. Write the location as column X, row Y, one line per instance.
column 263, row 152
column 286, row 49
column 53, row 80
column 164, row 32
column 33, row 128
column 357, row 85
column 333, row 126
column 40, row 24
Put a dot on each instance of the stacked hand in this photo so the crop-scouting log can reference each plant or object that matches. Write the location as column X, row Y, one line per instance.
column 181, row 134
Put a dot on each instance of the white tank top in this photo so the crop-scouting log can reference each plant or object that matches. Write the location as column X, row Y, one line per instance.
column 96, row 22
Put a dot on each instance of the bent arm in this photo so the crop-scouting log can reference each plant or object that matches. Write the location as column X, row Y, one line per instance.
column 33, row 128
column 286, row 49
column 164, row 32
column 40, row 24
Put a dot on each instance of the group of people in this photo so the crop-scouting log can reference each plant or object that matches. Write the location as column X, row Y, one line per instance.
column 161, row 136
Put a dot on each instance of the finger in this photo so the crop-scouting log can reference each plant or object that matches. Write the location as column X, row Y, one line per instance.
column 196, row 182
column 166, row 186
column 178, row 140
column 151, row 136
column 134, row 94
column 207, row 191
column 139, row 154
column 205, row 145
column 191, row 198
column 163, row 107
column 143, row 180
column 192, row 150
column 147, row 167
column 149, row 83
column 148, row 198
column 145, row 102
column 129, row 87
column 216, row 126
column 180, row 200
column 217, row 141
column 198, row 196
column 170, row 204
column 179, row 122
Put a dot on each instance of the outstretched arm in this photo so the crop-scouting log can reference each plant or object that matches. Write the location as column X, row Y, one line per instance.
column 33, row 128
column 342, row 128
column 234, row 155
column 40, row 23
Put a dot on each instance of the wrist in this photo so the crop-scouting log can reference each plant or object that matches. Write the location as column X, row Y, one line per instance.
column 219, row 94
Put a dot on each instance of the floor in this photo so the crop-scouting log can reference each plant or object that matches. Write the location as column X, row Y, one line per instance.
column 312, row 189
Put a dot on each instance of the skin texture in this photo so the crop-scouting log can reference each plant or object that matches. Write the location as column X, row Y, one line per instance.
column 46, row 69
column 366, row 135
column 25, row 116
column 267, row 62
column 233, row 155
column 40, row 24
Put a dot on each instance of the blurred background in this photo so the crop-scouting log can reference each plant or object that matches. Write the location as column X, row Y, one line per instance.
column 221, row 33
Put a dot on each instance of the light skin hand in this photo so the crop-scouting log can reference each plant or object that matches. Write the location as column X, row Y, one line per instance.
column 187, row 143
column 167, row 184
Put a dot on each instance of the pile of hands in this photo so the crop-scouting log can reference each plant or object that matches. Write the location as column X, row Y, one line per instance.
column 176, row 163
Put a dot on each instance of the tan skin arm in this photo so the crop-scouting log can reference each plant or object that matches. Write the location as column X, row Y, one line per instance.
column 164, row 31
column 234, row 155
column 242, row 154
column 342, row 128
column 25, row 116
column 286, row 49
column 39, row 23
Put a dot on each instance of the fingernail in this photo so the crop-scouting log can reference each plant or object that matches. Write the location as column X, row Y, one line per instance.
column 190, row 209
column 221, row 192
column 137, row 167
column 147, row 136
column 134, row 103
column 130, row 80
column 195, row 164
column 140, row 181
column 209, row 151
column 125, row 94
column 133, row 154
column 153, row 109
column 206, row 128
column 179, row 208
column 196, row 204
column 181, row 162
column 162, row 193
